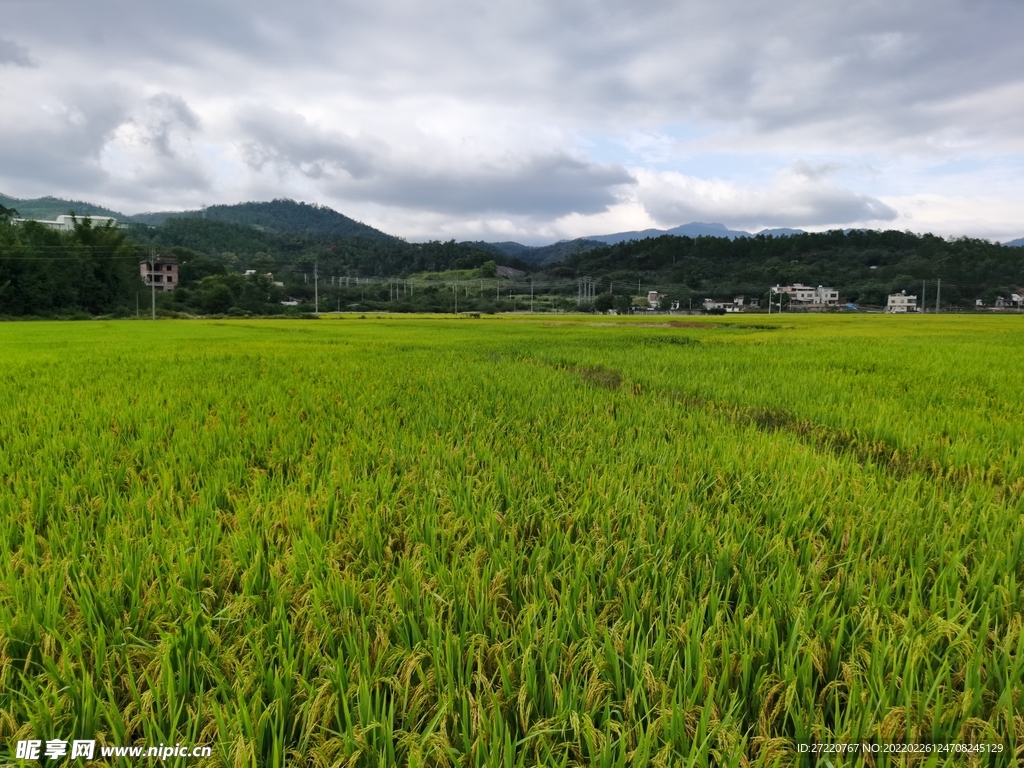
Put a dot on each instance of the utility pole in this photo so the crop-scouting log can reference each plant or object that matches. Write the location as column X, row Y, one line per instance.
column 136, row 305
column 152, row 280
column 923, row 298
column 456, row 297
column 531, row 295
column 316, row 287
column 938, row 295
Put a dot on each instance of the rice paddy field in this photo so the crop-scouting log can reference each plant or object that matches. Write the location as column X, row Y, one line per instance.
column 516, row 541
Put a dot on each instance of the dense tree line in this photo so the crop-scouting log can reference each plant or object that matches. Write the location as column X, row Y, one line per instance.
column 95, row 270
column 47, row 272
column 865, row 266
column 238, row 247
column 233, row 294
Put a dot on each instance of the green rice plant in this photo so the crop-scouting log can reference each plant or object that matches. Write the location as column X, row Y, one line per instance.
column 514, row 542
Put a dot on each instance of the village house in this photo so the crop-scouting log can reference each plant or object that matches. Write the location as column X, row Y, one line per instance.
column 161, row 273
column 808, row 297
column 736, row 305
column 900, row 303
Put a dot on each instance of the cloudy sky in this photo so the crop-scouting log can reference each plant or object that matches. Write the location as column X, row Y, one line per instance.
column 532, row 121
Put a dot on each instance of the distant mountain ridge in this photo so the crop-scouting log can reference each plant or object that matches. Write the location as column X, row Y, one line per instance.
column 548, row 254
column 1019, row 242
column 539, row 254
column 693, row 229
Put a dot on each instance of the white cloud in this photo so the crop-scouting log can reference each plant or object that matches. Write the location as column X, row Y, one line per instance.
column 803, row 196
column 485, row 117
column 465, row 179
column 995, row 218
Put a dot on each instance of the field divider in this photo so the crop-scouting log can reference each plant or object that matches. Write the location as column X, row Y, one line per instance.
column 898, row 463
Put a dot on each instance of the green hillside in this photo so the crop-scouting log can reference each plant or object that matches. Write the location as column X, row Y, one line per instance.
column 282, row 216
column 864, row 265
column 51, row 207
column 542, row 254
column 239, row 246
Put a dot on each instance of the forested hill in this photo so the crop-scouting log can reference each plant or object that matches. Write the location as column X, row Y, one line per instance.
column 238, row 247
column 281, row 216
column 541, row 254
column 51, row 207
column 865, row 266
column 94, row 270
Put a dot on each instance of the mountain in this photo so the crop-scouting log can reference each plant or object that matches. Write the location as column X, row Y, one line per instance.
column 280, row 216
column 51, row 207
column 292, row 237
column 548, row 254
column 781, row 232
column 508, row 248
column 543, row 254
column 694, row 229
column 285, row 217
column 1019, row 242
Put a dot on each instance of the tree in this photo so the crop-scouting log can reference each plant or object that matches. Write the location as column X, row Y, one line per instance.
column 623, row 304
column 603, row 302
column 263, row 264
column 6, row 214
column 195, row 267
column 215, row 295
